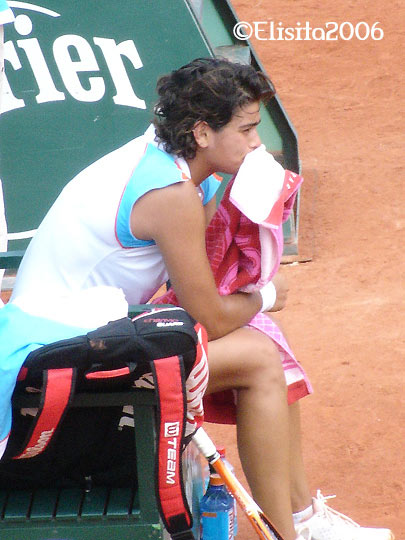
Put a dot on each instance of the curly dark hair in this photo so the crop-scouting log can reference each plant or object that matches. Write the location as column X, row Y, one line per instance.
column 208, row 89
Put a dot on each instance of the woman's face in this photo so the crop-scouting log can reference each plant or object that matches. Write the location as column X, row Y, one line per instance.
column 226, row 149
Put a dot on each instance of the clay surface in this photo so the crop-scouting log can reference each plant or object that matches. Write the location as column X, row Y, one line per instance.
column 345, row 316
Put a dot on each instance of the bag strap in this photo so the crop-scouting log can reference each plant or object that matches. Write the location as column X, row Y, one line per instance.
column 58, row 389
column 170, row 391
column 57, row 393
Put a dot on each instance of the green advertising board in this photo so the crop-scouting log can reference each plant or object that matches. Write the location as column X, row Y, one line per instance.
column 80, row 82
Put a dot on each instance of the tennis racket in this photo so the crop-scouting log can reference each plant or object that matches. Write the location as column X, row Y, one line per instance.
column 260, row 522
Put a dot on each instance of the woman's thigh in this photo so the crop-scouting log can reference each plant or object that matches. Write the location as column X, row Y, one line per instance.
column 243, row 358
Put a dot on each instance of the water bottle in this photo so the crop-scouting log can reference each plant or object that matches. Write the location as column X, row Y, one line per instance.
column 222, row 453
column 217, row 511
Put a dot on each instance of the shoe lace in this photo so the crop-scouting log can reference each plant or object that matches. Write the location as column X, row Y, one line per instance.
column 333, row 516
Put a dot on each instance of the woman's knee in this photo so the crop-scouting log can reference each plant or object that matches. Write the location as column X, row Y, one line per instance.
column 264, row 366
column 245, row 358
column 258, row 362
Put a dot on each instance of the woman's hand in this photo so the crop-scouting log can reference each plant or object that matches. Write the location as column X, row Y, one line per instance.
column 281, row 285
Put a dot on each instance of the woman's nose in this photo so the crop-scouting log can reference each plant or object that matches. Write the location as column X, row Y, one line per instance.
column 255, row 141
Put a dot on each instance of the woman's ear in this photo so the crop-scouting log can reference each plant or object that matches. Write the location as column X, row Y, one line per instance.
column 201, row 133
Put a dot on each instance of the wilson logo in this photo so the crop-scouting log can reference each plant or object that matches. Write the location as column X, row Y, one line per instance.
column 171, row 432
column 171, row 463
column 172, row 429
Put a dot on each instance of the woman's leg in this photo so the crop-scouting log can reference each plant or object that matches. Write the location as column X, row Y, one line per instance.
column 248, row 361
column 300, row 497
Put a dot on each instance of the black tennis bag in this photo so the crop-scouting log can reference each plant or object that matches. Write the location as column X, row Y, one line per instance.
column 166, row 342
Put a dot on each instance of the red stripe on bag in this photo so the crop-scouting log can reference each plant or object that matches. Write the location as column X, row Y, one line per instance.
column 169, row 383
column 57, row 394
column 22, row 374
column 108, row 374
column 198, row 373
column 197, row 386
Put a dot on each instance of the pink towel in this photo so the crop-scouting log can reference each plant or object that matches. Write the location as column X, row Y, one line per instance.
column 244, row 256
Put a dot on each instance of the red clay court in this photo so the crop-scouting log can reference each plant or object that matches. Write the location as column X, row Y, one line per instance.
column 345, row 316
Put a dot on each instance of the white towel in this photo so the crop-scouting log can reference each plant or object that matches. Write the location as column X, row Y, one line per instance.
column 258, row 186
column 89, row 308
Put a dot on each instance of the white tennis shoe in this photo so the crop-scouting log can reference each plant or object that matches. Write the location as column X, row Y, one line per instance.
column 328, row 524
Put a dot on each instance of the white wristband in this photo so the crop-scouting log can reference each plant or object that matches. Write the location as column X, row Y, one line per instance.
column 269, row 296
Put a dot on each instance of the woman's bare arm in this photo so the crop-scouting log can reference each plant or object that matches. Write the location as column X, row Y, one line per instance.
column 174, row 217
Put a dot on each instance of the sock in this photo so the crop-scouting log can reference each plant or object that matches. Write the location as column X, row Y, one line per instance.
column 303, row 515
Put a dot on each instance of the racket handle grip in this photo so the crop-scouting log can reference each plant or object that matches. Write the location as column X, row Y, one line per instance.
column 205, row 445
